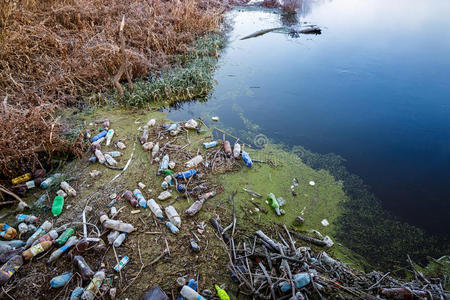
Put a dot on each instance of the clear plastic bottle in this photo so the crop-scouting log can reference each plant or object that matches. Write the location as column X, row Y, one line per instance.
column 112, row 236
column 85, row 269
column 26, row 218
column 155, row 150
column 173, row 216
column 194, row 208
column 100, row 156
column 49, row 181
column 164, row 195
column 172, row 227
column 110, row 160
column 50, row 236
column 190, row 294
column 114, row 153
column 194, row 161
column 94, row 286
column 119, row 240
column 115, row 224
column 208, row 145
column 236, row 150
column 151, row 123
column 68, row 189
column 23, row 228
column 155, row 208
column 58, row 252
column 138, row 194
column 43, row 229
column 164, row 165
column 144, row 137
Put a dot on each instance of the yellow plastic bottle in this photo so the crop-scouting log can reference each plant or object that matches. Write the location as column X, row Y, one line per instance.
column 20, row 179
column 221, row 293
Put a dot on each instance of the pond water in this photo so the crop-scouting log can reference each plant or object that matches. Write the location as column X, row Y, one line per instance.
column 374, row 88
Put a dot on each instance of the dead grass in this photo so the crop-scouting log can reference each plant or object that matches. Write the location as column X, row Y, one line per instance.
column 56, row 51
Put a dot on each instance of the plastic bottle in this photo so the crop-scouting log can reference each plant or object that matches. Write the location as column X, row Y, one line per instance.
column 61, row 280
column 300, row 280
column 58, row 252
column 7, row 232
column 194, row 208
column 121, row 263
column 68, row 189
column 121, row 145
column 274, row 203
column 191, row 124
column 110, row 160
column 61, row 193
column 164, row 195
column 23, row 228
column 192, row 163
column 13, row 243
column 36, row 249
column 21, row 178
column 114, row 153
column 39, row 203
column 119, row 240
column 115, row 224
column 186, row 174
column 227, row 148
column 194, row 245
column 112, row 236
column 148, row 146
column 109, row 136
column 155, row 208
column 207, row 195
column 221, row 293
column 99, row 136
column 236, row 150
column 76, row 293
column 100, row 156
column 85, row 269
column 164, row 165
column 96, row 145
column 144, row 137
column 26, row 218
column 43, row 229
column 247, row 159
column 142, row 202
column 49, row 181
column 113, row 211
column 93, row 159
column 167, row 172
column 181, row 188
column 64, row 236
column 94, row 286
column 151, row 123
column 155, row 150
column 50, row 236
column 8, row 254
column 9, row 268
column 190, row 294
column 128, row 195
column 172, row 227
column 58, row 204
column 173, row 216
column 208, row 145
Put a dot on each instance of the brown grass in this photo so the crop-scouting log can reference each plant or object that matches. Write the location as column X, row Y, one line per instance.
column 56, row 51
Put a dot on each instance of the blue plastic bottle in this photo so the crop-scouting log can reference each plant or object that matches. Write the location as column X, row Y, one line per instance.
column 300, row 280
column 247, row 159
column 99, row 136
column 61, row 280
column 181, row 188
column 208, row 145
column 186, row 174
column 142, row 202
column 172, row 227
column 49, row 181
column 192, row 284
column 92, row 159
column 76, row 293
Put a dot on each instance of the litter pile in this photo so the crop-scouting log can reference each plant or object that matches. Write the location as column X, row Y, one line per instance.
column 264, row 268
column 267, row 269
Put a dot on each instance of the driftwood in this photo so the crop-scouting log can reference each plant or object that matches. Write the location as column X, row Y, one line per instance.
column 266, row 239
column 309, row 239
column 260, row 32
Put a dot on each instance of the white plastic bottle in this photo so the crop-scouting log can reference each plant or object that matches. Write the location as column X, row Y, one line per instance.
column 173, row 216
column 68, row 189
column 115, row 224
column 109, row 136
column 194, row 161
column 45, row 227
column 164, row 195
column 110, row 160
column 236, row 150
column 190, row 294
column 155, row 150
column 151, row 123
column 155, row 208
column 112, row 236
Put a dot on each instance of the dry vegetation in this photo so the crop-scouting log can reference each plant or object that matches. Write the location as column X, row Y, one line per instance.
column 53, row 52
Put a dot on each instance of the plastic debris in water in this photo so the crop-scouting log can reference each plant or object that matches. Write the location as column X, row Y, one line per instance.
column 312, row 183
column 325, row 222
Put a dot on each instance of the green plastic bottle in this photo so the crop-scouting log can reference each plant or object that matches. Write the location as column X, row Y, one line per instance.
column 64, row 236
column 57, row 206
column 167, row 172
column 274, row 203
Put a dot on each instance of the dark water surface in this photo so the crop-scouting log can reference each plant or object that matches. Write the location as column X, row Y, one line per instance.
column 374, row 88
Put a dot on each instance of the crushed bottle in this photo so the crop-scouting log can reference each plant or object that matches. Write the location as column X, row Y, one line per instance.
column 85, row 270
column 141, row 200
column 61, row 280
column 68, row 189
column 173, row 216
column 9, row 268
